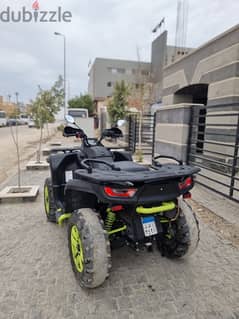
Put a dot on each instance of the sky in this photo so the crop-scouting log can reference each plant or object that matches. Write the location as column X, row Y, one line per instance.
column 31, row 55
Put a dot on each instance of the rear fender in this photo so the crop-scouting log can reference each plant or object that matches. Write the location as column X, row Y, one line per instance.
column 79, row 194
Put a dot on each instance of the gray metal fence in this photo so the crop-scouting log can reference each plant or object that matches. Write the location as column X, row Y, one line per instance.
column 147, row 133
column 132, row 132
column 213, row 146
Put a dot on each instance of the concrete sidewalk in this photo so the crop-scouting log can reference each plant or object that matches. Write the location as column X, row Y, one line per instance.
column 28, row 146
column 221, row 206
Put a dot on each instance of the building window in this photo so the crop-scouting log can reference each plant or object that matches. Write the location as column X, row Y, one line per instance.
column 109, row 84
column 117, row 70
column 121, row 71
column 112, row 70
column 145, row 72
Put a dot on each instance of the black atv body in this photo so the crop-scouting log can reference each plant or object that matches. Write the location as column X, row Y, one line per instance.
column 136, row 205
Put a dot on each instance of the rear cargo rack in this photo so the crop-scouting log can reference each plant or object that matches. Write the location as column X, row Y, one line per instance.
column 163, row 173
column 90, row 169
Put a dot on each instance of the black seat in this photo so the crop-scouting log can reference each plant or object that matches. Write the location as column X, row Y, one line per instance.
column 103, row 154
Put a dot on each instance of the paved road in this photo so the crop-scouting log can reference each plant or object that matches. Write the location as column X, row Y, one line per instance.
column 28, row 138
column 37, row 281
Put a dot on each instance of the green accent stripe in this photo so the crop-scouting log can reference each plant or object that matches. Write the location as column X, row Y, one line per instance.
column 46, row 200
column 117, row 230
column 166, row 206
column 77, row 249
column 62, row 218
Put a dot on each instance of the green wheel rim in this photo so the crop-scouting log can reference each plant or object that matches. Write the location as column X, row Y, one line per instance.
column 47, row 200
column 76, row 248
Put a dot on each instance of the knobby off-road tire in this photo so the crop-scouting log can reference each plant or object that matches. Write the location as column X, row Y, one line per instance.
column 49, row 203
column 89, row 248
column 186, row 234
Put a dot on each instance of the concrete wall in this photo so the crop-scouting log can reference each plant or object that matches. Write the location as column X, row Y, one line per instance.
column 216, row 63
column 158, row 53
column 162, row 55
column 172, row 130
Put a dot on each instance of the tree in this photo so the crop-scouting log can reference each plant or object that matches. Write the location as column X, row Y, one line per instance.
column 83, row 101
column 118, row 103
column 46, row 106
column 48, row 103
column 58, row 92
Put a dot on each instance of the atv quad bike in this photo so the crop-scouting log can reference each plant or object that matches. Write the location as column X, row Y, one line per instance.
column 111, row 201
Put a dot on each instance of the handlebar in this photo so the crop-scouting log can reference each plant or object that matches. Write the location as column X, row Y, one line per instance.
column 89, row 168
column 75, row 130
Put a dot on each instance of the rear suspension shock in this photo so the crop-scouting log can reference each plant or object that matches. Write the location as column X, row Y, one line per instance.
column 110, row 219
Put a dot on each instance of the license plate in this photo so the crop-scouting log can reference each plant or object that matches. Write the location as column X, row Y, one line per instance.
column 149, row 226
column 68, row 176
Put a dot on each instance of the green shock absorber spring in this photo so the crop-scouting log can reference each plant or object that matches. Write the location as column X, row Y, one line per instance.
column 110, row 219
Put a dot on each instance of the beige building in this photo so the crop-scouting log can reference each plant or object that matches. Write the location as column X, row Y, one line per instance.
column 208, row 75
column 199, row 119
column 8, row 107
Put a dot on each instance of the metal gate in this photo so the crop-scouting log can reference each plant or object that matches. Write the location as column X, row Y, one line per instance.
column 132, row 132
column 146, row 136
column 213, row 146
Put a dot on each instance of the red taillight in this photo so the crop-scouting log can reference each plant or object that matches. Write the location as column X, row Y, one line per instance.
column 117, row 208
column 187, row 195
column 185, row 184
column 113, row 192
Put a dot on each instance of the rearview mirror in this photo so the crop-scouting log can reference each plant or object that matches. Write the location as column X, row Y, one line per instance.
column 113, row 132
column 73, row 131
column 70, row 119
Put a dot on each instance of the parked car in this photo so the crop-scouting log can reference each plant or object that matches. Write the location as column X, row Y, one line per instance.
column 23, row 119
column 12, row 121
column 3, row 118
column 31, row 123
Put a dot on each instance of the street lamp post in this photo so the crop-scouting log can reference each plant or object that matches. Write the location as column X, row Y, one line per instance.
column 65, row 102
column 17, row 95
